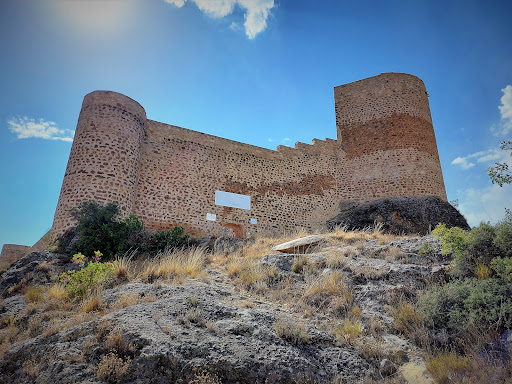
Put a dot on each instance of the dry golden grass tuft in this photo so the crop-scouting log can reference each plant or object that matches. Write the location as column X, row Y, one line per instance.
column 300, row 264
column 294, row 332
column 126, row 300
column 395, row 253
column 34, row 294
column 444, row 364
column 112, row 368
column 58, row 292
column 115, row 343
column 43, row 267
column 123, row 267
column 92, row 303
column 176, row 265
column 328, row 291
column 406, row 319
column 347, row 330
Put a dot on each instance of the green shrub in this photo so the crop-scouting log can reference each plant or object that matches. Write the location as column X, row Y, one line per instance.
column 426, row 250
column 166, row 240
column 94, row 274
column 503, row 237
column 99, row 227
column 453, row 239
column 503, row 268
column 463, row 304
column 481, row 245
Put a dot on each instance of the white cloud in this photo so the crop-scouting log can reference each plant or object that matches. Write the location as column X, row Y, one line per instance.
column 256, row 15
column 485, row 204
column 504, row 127
column 255, row 12
column 490, row 155
column 285, row 140
column 463, row 162
column 25, row 128
column 178, row 3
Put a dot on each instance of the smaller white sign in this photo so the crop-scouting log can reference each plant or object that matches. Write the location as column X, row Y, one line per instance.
column 211, row 217
column 254, row 221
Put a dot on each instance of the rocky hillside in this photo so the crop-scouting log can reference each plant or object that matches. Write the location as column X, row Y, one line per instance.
column 335, row 313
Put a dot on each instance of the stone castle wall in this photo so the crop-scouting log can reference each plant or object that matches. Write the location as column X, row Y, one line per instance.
column 168, row 175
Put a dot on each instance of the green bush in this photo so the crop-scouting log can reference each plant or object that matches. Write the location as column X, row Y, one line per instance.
column 503, row 237
column 162, row 240
column 453, row 239
column 94, row 274
column 503, row 268
column 464, row 304
column 100, row 227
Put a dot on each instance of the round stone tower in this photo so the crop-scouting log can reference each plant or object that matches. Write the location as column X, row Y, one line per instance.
column 105, row 156
column 385, row 129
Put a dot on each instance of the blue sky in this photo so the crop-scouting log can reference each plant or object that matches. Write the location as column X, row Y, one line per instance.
column 256, row 71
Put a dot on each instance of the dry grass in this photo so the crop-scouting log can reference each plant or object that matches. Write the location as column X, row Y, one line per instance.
column 300, row 263
column 115, row 343
column 343, row 235
column 32, row 368
column 123, row 267
column 347, row 330
column 126, row 300
column 202, row 376
column 34, row 294
column 294, row 332
column 406, row 319
column 92, row 303
column 443, row 365
column 175, row 265
column 112, row 368
column 395, row 253
column 257, row 277
column 329, row 291
column 58, row 292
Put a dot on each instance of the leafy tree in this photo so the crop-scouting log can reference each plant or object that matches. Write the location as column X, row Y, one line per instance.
column 500, row 173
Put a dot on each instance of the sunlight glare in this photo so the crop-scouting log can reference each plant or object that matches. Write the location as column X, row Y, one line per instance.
column 95, row 15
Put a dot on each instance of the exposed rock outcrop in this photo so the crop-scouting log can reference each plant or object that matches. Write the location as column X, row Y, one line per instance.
column 400, row 215
column 34, row 268
column 300, row 245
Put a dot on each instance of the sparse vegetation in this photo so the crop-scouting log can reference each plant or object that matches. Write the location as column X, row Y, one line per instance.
column 451, row 320
column 293, row 332
column 112, row 368
column 348, row 330
column 93, row 275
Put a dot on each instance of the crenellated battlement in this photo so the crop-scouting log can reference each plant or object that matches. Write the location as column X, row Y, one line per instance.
column 169, row 175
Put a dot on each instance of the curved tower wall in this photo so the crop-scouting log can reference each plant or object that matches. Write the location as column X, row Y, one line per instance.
column 105, row 157
column 385, row 129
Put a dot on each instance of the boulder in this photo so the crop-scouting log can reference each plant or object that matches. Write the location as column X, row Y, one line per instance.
column 298, row 245
column 229, row 245
column 403, row 215
column 34, row 268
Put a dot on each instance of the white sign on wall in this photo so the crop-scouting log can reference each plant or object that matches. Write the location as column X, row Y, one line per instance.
column 211, row 217
column 234, row 200
column 254, row 221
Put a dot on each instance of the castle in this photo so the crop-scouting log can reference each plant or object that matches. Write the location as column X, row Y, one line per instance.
column 167, row 175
